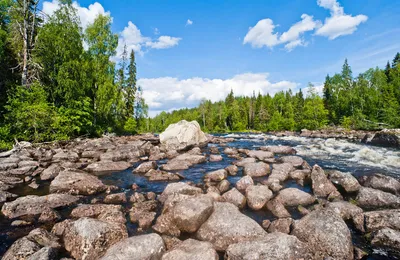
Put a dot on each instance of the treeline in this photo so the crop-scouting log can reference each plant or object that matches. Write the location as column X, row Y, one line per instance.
column 369, row 101
column 58, row 81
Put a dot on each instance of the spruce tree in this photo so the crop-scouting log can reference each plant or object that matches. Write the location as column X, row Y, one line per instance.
column 131, row 88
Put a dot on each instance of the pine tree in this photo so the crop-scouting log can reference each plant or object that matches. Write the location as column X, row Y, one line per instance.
column 396, row 60
column 131, row 88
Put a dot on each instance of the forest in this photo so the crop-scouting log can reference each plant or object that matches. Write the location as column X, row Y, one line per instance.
column 368, row 101
column 58, row 81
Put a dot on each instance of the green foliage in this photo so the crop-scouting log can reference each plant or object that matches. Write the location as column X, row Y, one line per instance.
column 130, row 126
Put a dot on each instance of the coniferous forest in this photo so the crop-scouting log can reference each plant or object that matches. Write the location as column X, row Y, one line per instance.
column 58, row 82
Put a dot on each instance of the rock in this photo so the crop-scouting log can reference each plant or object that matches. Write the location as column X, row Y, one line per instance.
column 108, row 213
column 300, row 175
column 33, row 205
column 117, row 198
column 159, row 175
column 302, row 210
column 257, row 196
column 145, row 167
column 178, row 188
column 277, row 246
column 51, row 172
column 217, row 175
column 279, row 149
column 375, row 220
column 137, row 197
column 244, row 161
column 295, row 197
column 106, row 167
column 29, row 163
column 321, row 186
column 215, row 158
column 192, row 249
column 45, row 253
column 49, row 215
column 388, row 138
column 34, row 185
column 296, row 161
column 265, row 224
column 280, row 172
column 344, row 209
column 171, row 242
column 191, row 213
column 230, row 151
column 5, row 196
column 347, row 181
column 20, row 223
column 66, row 156
column 151, row 195
column 88, row 238
column 359, row 253
column 7, row 166
column 76, row 183
column 326, row 233
column 387, row 238
column 143, row 213
column 227, row 226
column 369, row 198
column 277, row 208
column 183, row 162
column 260, row 155
column 149, row 246
column 223, row 186
column 91, row 154
column 235, row 197
column 182, row 134
column 383, row 183
column 232, row 170
column 280, row 225
column 256, row 169
column 214, row 149
column 26, row 170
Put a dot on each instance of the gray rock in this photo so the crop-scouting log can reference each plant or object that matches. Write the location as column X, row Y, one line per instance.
column 375, row 220
column 5, row 196
column 281, row 225
column 260, row 155
column 66, row 156
column 183, row 162
column 145, row 167
column 256, row 169
column 321, row 186
column 76, row 183
column 369, row 198
column 257, row 196
column 296, row 161
column 107, row 167
column 244, row 161
column 45, row 253
column 277, row 246
column 217, row 175
column 51, row 172
column 386, row 238
column 104, row 212
column 178, row 188
column 244, row 182
column 279, row 149
column 344, row 179
column 280, row 172
column 116, row 198
column 277, row 208
column 326, row 233
column 295, row 197
column 227, row 226
column 192, row 249
column 384, row 183
column 150, row 246
column 344, row 209
column 223, row 186
column 215, row 158
column 235, row 197
column 182, row 134
column 232, row 170
column 159, row 175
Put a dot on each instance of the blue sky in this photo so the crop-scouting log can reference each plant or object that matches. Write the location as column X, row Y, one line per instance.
column 218, row 50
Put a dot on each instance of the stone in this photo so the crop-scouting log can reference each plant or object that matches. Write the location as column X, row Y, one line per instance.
column 387, row 137
column 104, row 212
column 257, row 196
column 344, row 179
column 265, row 224
column 260, row 155
column 34, row 185
column 244, row 161
column 326, row 233
column 159, row 175
column 227, row 226
column 258, row 169
column 369, row 198
column 217, row 175
column 33, row 205
column 49, row 215
column 183, row 162
column 45, row 253
column 215, row 158
column 280, row 225
column 74, row 182
column 149, row 246
column 65, row 156
column 26, row 170
column 223, row 186
column 375, row 220
column 117, row 198
column 235, row 197
column 143, row 213
column 295, row 197
column 232, row 170
column 182, row 134
column 279, row 149
column 5, row 196
column 178, row 188
column 321, row 186
column 383, row 183
column 192, row 249
column 28, row 163
column 230, row 151
column 50, row 173
column 20, row 223
column 277, row 246
column 344, row 209
column 296, row 161
column 386, row 238
column 107, row 167
column 277, row 208
column 171, row 242
column 300, row 175
column 280, row 172
column 145, row 167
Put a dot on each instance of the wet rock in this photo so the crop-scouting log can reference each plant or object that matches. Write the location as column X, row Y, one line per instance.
column 150, row 246
column 359, row 253
column 216, row 176
column 280, row 225
column 117, row 198
column 182, row 134
column 183, row 162
column 88, row 238
column 383, row 183
column 191, row 213
column 260, row 155
column 227, row 226
column 34, row 185
column 145, row 167
column 279, row 149
column 66, row 156
column 178, row 188
column 326, row 233
column 235, row 197
column 256, row 169
column 32, row 205
column 302, row 210
column 257, row 196
column 276, row 245
column 106, row 167
column 296, row 161
column 192, row 249
column 151, row 195
column 76, row 183
column 51, row 172
column 28, row 247
column 347, row 181
column 108, row 213
column 232, row 170
column 321, row 186
column 375, row 220
column 388, row 138
column 277, row 208
column 49, row 215
column 344, row 209
column 244, row 161
column 223, row 186
column 387, row 238
column 215, row 158
column 295, row 197
column 6, row 196
column 369, row 198
column 158, row 175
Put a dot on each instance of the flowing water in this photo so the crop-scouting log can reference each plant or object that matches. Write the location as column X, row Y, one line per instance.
column 356, row 158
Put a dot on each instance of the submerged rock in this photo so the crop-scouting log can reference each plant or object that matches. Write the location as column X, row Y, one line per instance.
column 76, row 183
column 192, row 249
column 182, row 134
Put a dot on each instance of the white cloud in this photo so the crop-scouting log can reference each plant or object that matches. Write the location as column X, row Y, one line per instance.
column 133, row 38
column 164, row 42
column 339, row 23
column 166, row 92
column 156, row 31
column 189, row 22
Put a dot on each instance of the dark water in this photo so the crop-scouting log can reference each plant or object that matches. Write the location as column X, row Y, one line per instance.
column 330, row 154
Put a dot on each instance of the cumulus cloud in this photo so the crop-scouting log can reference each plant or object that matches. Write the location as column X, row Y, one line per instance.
column 163, row 94
column 164, row 42
column 339, row 23
column 189, row 22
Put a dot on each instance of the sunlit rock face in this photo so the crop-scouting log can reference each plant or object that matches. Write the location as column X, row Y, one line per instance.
column 182, row 134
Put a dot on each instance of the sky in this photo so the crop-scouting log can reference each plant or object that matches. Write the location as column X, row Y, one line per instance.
column 187, row 51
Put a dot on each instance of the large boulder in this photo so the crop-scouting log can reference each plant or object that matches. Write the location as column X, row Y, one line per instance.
column 369, row 198
column 182, row 134
column 227, row 226
column 383, row 182
column 375, row 220
column 326, row 233
column 76, row 183
column 257, row 196
column 388, row 239
column 150, row 246
column 344, row 179
column 321, row 186
column 257, row 169
column 145, row 167
column 388, row 138
column 33, row 205
column 295, row 197
column 192, row 249
column 276, row 245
